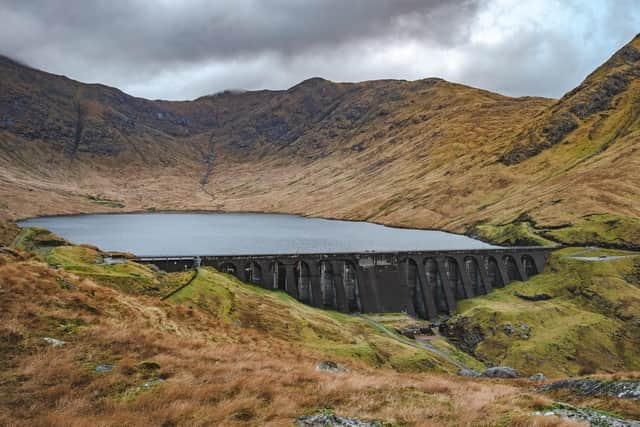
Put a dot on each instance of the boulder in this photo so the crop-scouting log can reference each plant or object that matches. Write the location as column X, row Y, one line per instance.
column 466, row 372
column 325, row 420
column 54, row 342
column 538, row 377
column 330, row 366
column 501, row 372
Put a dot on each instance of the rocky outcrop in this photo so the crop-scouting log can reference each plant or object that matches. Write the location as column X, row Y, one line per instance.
column 501, row 372
column 330, row 366
column 623, row 389
column 589, row 416
column 596, row 95
column 332, row 420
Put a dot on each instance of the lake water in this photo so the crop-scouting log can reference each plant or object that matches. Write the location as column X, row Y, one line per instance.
column 161, row 234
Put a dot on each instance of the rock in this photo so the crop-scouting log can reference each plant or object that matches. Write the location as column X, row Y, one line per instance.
column 508, row 329
column 329, row 366
column 152, row 383
column 466, row 372
column 501, row 372
column 593, row 418
column 525, row 331
column 463, row 333
column 105, row 368
column 623, row 389
column 413, row 330
column 538, row 377
column 148, row 366
column 331, row 420
column 535, row 297
column 54, row 342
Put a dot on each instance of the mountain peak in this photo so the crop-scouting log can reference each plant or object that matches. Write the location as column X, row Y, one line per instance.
column 608, row 87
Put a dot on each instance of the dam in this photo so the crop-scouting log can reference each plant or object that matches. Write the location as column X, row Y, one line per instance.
column 424, row 284
column 347, row 266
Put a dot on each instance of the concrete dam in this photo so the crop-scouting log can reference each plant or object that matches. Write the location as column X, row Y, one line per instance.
column 423, row 283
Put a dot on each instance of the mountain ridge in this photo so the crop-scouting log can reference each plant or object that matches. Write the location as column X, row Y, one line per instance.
column 425, row 153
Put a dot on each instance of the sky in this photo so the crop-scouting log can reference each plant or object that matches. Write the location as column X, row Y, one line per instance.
column 183, row 49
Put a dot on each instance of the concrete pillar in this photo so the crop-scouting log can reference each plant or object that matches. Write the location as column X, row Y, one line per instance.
column 464, row 276
column 291, row 285
column 449, row 292
column 486, row 283
column 337, row 268
column 314, row 278
column 518, row 259
column 427, row 290
column 267, row 276
column 367, row 301
column 503, row 271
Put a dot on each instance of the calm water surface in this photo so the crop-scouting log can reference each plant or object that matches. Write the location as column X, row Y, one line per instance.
column 161, row 234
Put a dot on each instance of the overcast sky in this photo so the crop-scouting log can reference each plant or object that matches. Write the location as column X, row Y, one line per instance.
column 182, row 49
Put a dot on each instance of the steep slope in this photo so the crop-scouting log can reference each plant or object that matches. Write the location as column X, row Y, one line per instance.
column 426, row 153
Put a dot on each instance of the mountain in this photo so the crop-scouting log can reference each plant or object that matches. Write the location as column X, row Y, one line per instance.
column 425, row 153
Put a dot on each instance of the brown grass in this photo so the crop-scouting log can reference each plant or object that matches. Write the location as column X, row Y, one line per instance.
column 213, row 373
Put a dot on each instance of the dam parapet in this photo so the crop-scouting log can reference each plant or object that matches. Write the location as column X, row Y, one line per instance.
column 425, row 284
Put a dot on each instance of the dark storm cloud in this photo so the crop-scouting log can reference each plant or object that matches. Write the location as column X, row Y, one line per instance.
column 188, row 31
column 183, row 49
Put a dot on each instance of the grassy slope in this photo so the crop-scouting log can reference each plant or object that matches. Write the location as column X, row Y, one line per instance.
column 591, row 323
column 226, row 352
column 220, row 352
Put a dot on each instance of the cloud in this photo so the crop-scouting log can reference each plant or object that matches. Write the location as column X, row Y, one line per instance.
column 183, row 49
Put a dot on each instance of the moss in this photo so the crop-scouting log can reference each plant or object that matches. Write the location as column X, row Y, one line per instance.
column 128, row 276
column 603, row 230
column 587, row 326
column 514, row 234
column 37, row 240
column 103, row 201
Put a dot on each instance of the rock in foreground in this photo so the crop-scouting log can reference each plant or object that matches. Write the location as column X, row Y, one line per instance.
column 331, row 420
column 624, row 389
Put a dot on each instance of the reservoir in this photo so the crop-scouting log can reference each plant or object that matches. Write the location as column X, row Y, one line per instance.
column 183, row 234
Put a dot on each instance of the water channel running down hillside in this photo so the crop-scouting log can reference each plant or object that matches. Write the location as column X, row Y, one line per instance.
column 184, row 234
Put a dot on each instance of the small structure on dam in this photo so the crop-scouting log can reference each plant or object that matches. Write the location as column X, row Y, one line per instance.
column 423, row 284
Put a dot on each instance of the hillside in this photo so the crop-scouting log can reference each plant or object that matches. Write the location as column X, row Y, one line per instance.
column 219, row 351
column 425, row 153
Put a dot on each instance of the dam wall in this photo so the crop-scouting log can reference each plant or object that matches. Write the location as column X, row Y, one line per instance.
column 425, row 284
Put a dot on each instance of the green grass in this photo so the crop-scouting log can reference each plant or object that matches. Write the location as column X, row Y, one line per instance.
column 346, row 337
column 103, row 201
column 601, row 230
column 591, row 323
column 514, row 234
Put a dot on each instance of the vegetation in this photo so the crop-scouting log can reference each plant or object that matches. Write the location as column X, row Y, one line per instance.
column 219, row 351
column 591, row 323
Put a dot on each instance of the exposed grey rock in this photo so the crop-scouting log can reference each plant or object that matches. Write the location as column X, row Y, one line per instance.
column 508, row 329
column 534, row 297
column 466, row 372
column 525, row 331
column 105, row 368
column 54, row 342
column 331, row 420
column 152, row 383
column 501, row 372
column 462, row 333
column 538, row 377
column 593, row 418
column 330, row 366
column 624, row 389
